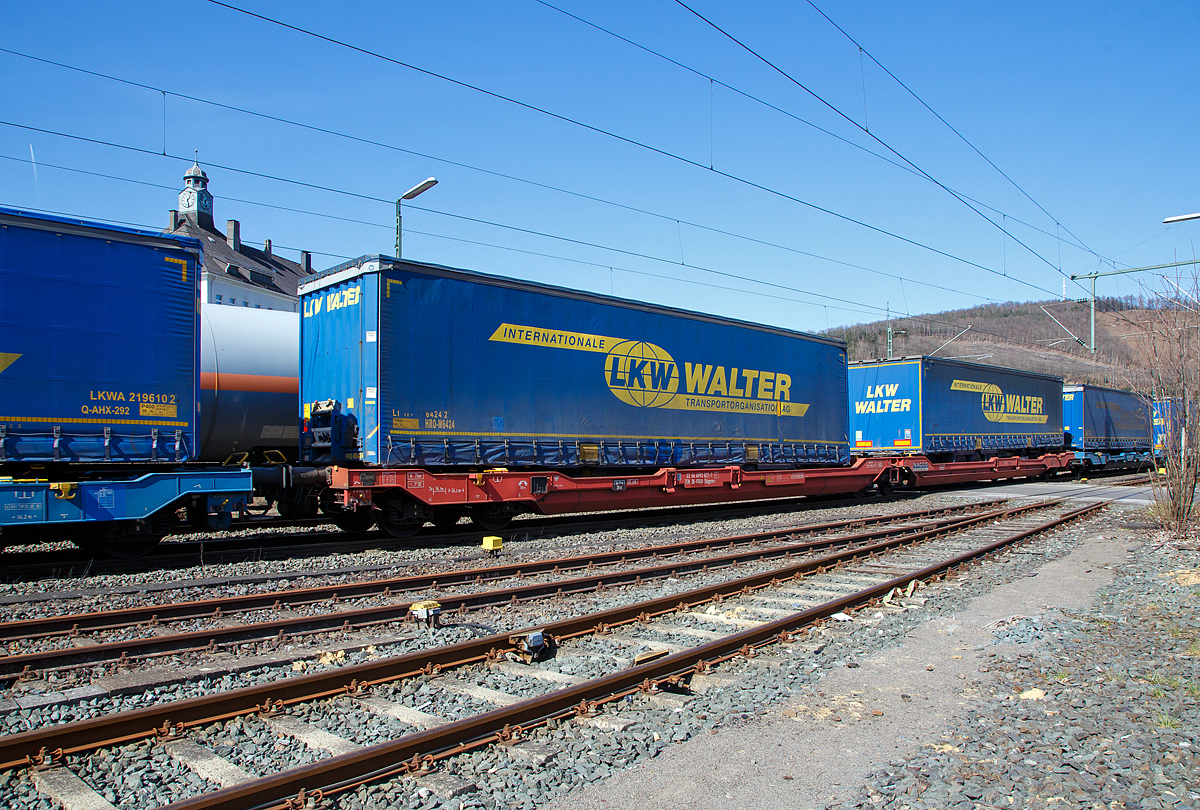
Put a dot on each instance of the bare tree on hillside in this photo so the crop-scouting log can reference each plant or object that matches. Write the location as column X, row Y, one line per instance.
column 1169, row 332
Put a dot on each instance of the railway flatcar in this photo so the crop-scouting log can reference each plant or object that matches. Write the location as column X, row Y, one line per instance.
column 952, row 411
column 411, row 365
column 1108, row 429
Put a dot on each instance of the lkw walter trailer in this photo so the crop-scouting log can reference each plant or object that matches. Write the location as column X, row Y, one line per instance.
column 1107, row 428
column 99, row 384
column 407, row 365
column 951, row 410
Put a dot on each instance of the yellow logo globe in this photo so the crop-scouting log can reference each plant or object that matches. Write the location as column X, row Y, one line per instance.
column 641, row 374
column 992, row 403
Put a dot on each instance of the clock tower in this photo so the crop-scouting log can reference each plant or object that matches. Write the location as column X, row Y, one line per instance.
column 195, row 201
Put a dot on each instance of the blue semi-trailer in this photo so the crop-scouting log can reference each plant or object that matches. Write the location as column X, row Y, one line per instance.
column 1107, row 428
column 100, row 383
column 411, row 364
column 100, row 342
column 952, row 410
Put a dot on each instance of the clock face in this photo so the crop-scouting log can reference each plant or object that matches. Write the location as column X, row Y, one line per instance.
column 187, row 199
column 205, row 203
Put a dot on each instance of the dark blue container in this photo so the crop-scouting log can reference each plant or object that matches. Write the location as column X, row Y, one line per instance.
column 98, row 342
column 439, row 367
column 1105, row 420
column 926, row 405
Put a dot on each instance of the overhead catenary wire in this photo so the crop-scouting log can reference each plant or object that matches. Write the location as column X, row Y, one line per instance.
column 388, row 202
column 633, row 254
column 735, row 234
column 875, row 138
column 949, row 126
column 633, row 142
column 854, row 306
column 502, row 175
column 858, row 306
column 758, row 100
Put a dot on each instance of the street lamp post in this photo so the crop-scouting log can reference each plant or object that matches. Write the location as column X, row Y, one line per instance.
column 415, row 191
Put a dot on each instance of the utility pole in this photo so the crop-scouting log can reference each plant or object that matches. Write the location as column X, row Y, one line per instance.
column 889, row 330
column 1094, row 276
column 891, row 333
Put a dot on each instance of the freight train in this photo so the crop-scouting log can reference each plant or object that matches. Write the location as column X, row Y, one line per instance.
column 404, row 393
column 1108, row 429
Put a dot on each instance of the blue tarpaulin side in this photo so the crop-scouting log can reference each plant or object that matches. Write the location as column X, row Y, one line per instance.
column 475, row 370
column 948, row 406
column 98, row 343
column 1105, row 419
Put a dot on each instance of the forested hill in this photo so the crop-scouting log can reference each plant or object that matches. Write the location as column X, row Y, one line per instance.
column 1018, row 335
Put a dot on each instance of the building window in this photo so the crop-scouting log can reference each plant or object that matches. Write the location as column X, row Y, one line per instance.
column 218, row 298
column 245, row 303
column 233, row 301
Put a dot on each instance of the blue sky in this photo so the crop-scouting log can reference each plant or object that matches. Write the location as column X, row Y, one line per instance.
column 1089, row 107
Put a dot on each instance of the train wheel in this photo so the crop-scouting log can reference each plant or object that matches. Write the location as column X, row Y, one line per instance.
column 446, row 516
column 356, row 522
column 491, row 518
column 398, row 518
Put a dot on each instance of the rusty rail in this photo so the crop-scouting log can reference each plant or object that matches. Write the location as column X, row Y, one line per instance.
column 25, row 664
column 85, row 735
column 114, row 619
column 416, row 751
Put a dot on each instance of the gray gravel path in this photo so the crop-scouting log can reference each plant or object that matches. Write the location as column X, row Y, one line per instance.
column 950, row 718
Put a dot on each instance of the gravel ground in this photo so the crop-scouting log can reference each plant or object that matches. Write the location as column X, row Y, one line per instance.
column 759, row 688
column 1014, row 690
column 82, row 594
column 1091, row 708
column 505, row 618
column 345, row 718
column 252, row 745
column 585, row 755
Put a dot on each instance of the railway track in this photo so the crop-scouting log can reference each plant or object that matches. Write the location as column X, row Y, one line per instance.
column 639, row 649
column 258, row 540
column 74, row 640
column 1132, row 481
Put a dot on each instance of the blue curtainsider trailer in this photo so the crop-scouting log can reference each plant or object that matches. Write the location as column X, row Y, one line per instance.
column 99, row 386
column 99, row 342
column 952, row 410
column 406, row 364
column 1105, row 427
